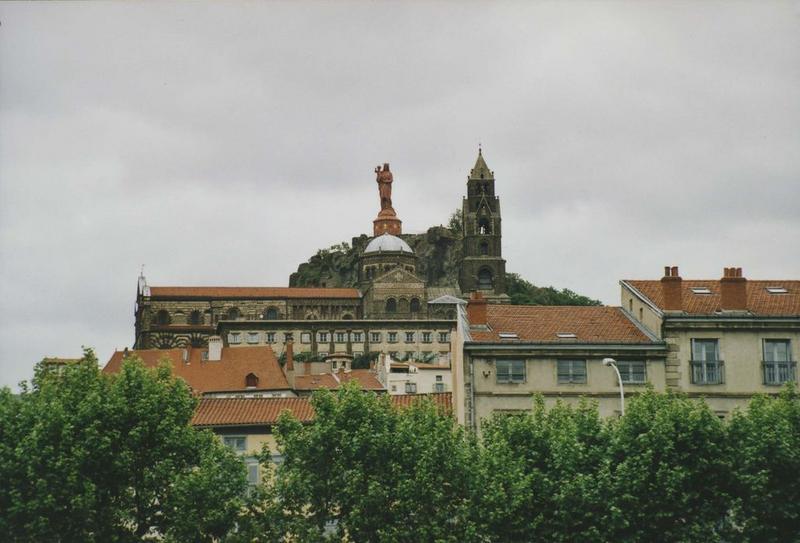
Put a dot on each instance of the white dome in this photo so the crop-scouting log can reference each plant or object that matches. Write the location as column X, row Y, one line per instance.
column 388, row 242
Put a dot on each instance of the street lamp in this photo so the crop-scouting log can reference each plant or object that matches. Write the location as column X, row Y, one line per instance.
column 613, row 363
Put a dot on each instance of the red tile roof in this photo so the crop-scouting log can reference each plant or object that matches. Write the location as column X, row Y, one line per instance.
column 366, row 379
column 759, row 301
column 247, row 411
column 252, row 292
column 225, row 375
column 265, row 411
column 541, row 324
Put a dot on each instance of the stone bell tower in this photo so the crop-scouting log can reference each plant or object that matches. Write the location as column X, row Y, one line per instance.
column 483, row 268
column 386, row 222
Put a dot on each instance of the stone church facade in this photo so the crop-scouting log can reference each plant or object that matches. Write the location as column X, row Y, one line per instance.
column 388, row 287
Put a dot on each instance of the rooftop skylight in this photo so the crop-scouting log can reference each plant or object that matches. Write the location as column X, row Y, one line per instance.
column 508, row 335
column 701, row 290
column 566, row 335
column 777, row 290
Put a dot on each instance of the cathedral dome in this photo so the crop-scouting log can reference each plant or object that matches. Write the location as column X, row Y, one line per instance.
column 386, row 243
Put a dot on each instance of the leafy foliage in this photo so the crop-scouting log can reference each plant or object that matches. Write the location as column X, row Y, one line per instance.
column 86, row 456
column 523, row 292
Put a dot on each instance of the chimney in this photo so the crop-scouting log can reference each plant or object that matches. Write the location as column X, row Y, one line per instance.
column 733, row 290
column 476, row 309
column 671, row 289
column 214, row 348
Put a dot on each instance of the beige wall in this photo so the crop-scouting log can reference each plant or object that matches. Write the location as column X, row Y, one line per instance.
column 541, row 376
column 641, row 311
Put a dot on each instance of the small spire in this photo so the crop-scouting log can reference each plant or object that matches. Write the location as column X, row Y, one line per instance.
column 481, row 170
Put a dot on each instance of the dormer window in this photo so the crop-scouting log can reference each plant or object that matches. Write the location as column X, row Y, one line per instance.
column 777, row 290
column 701, row 290
column 251, row 381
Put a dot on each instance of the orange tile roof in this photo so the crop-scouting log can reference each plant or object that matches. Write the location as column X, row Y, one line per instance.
column 247, row 411
column 225, row 375
column 315, row 382
column 759, row 301
column 265, row 411
column 541, row 324
column 252, row 292
column 366, row 379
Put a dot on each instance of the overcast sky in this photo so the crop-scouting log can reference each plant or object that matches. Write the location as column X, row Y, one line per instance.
column 223, row 144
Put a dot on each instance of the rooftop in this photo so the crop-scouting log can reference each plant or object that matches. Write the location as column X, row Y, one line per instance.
column 557, row 324
column 695, row 301
column 388, row 243
column 224, row 375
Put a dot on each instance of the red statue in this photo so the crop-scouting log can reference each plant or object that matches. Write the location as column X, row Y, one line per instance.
column 384, row 179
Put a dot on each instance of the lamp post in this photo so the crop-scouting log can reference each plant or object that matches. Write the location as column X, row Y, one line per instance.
column 613, row 363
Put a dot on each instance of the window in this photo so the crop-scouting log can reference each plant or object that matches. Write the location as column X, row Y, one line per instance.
column 252, row 337
column 305, row 337
column 777, row 290
column 571, row 371
column 510, row 371
column 426, row 337
column 701, row 290
column 341, row 337
column 392, row 337
column 391, row 305
column 409, row 337
column 484, row 248
column 411, row 388
column 251, row 380
column 415, row 306
column 632, row 371
column 322, row 354
column 778, row 365
column 705, row 363
column 394, row 388
column 358, row 337
column 322, row 337
column 195, row 317
column 271, row 314
column 508, row 335
column 233, row 314
column 162, row 317
column 356, row 354
column 252, row 472
column 485, row 279
column 270, row 337
column 375, row 337
column 235, row 338
column 438, row 387
column 237, row 443
column 347, row 317
column 444, row 337
column 483, row 226
column 566, row 335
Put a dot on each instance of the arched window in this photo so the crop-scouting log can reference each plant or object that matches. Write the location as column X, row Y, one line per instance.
column 391, row 305
column 233, row 314
column 195, row 317
column 484, row 227
column 271, row 314
column 415, row 305
column 485, row 279
column 162, row 317
column 347, row 317
column 484, row 248
column 251, row 380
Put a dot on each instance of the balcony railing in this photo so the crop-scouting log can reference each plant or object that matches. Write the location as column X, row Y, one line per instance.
column 708, row 372
column 778, row 373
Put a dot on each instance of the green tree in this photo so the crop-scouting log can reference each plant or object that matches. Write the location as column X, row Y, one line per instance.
column 523, row 292
column 456, row 222
column 543, row 476
column 765, row 449
column 87, row 456
column 367, row 471
column 669, row 465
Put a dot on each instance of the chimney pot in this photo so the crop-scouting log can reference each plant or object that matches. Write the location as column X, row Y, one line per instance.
column 733, row 290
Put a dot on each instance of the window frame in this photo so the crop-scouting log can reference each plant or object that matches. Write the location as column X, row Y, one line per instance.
column 226, row 440
column 573, row 377
column 506, row 373
column 625, row 371
column 704, row 370
column 777, row 372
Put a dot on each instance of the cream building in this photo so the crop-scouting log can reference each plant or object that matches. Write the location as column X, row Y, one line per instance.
column 511, row 352
column 413, row 377
column 727, row 338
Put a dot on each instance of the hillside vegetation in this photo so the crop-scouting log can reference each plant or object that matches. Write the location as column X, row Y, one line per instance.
column 439, row 253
